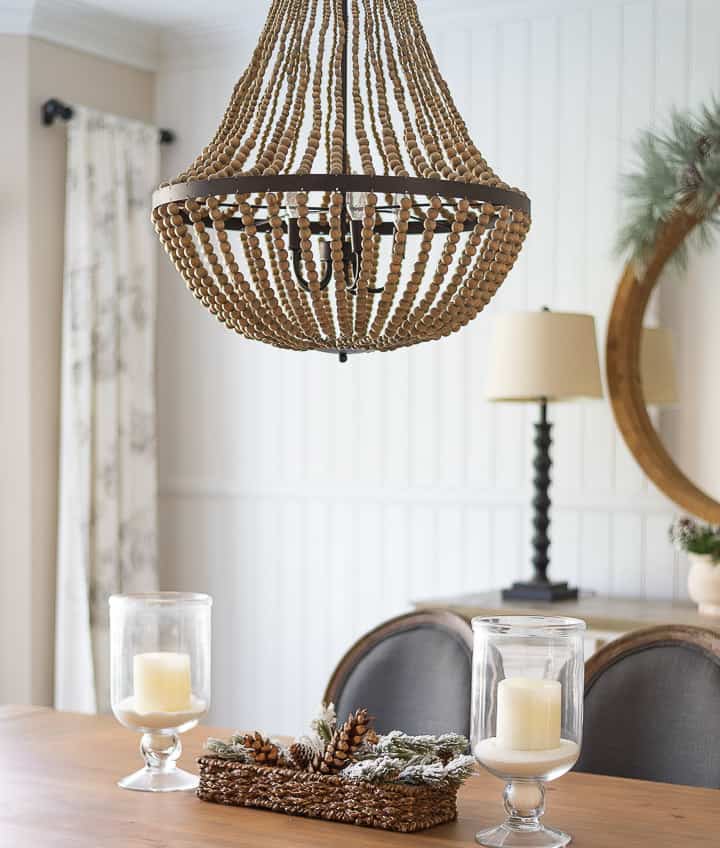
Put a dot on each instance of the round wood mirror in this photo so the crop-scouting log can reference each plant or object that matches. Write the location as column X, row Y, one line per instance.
column 625, row 331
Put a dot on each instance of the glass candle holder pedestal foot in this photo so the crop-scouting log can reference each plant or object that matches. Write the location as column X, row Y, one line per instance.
column 160, row 772
column 524, row 805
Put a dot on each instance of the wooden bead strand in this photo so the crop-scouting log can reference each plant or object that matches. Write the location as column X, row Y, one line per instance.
column 367, row 267
column 395, row 270
column 322, row 313
column 412, row 287
column 444, row 262
column 256, row 263
column 344, row 310
column 297, row 297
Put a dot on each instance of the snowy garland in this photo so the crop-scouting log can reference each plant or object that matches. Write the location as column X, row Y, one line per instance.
column 401, row 758
column 395, row 757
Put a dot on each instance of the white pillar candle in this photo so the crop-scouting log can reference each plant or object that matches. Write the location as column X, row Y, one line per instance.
column 161, row 682
column 528, row 714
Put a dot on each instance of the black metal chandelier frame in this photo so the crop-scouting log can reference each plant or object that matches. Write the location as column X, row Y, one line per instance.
column 343, row 183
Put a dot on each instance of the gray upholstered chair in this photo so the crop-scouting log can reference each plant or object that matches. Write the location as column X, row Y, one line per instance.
column 652, row 707
column 413, row 673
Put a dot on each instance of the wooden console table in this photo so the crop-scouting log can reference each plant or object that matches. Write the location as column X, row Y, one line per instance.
column 607, row 617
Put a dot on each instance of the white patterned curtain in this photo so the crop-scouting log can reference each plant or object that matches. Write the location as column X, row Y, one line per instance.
column 107, row 510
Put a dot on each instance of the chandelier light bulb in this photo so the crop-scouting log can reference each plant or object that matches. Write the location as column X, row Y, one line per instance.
column 291, row 204
column 356, row 203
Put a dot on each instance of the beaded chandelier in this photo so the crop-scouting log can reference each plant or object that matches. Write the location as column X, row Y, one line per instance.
column 342, row 205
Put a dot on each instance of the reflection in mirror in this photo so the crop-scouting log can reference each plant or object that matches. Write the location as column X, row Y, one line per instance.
column 679, row 368
column 657, row 367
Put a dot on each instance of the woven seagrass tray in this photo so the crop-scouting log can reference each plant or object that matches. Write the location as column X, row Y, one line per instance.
column 389, row 806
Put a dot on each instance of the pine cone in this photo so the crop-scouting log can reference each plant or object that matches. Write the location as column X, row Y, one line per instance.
column 345, row 743
column 302, row 755
column 704, row 146
column 690, row 179
column 263, row 751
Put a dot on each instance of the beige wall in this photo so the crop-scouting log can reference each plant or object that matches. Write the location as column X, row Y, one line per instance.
column 15, row 573
column 47, row 71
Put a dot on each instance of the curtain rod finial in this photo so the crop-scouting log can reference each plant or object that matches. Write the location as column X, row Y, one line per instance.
column 53, row 109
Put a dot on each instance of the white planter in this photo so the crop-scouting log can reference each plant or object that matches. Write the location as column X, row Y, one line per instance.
column 704, row 584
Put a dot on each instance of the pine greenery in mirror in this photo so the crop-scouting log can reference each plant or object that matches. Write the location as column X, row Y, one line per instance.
column 676, row 168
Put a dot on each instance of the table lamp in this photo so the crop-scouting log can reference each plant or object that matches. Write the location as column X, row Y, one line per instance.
column 657, row 367
column 542, row 357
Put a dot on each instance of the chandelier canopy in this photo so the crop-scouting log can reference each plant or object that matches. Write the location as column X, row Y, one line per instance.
column 342, row 205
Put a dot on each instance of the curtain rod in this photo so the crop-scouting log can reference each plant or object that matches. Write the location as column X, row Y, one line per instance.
column 55, row 109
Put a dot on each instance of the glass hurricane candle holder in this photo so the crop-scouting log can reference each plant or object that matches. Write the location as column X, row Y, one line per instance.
column 527, row 708
column 160, row 678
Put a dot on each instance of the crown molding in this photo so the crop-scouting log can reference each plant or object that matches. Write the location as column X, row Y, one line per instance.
column 74, row 24
column 205, row 46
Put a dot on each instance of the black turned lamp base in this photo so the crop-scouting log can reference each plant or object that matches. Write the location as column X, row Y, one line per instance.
column 540, row 592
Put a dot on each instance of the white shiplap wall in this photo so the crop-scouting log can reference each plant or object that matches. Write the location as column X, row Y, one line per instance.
column 314, row 499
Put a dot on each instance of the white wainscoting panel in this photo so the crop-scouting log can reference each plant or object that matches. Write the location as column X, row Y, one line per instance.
column 314, row 499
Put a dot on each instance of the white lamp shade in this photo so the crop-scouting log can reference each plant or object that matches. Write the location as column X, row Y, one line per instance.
column 536, row 355
column 657, row 366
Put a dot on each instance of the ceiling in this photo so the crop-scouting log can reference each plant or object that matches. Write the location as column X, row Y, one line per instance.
column 177, row 14
column 180, row 13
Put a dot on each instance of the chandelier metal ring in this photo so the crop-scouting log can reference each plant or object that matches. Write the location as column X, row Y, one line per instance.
column 378, row 183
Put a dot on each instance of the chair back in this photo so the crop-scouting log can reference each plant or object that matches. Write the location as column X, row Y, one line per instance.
column 413, row 673
column 652, row 707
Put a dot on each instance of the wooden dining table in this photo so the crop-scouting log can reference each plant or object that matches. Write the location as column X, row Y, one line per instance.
column 58, row 790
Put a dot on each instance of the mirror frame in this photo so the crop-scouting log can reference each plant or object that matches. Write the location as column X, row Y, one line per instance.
column 622, row 363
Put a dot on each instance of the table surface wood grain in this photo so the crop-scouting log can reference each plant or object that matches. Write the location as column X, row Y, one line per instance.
column 58, row 791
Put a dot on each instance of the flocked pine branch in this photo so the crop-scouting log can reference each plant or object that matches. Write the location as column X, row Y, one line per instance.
column 378, row 770
column 233, row 749
column 428, row 773
column 459, row 769
column 429, row 760
column 325, row 722
column 398, row 744
column 418, row 770
column 450, row 745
